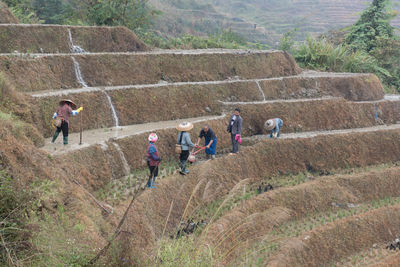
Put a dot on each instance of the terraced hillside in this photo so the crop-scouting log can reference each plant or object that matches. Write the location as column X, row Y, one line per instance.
column 272, row 17
column 5, row 14
column 333, row 173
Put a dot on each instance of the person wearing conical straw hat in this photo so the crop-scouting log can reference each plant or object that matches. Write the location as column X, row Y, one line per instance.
column 185, row 144
column 61, row 118
column 274, row 125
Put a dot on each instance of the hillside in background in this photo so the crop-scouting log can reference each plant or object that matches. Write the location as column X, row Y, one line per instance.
column 261, row 21
column 5, row 15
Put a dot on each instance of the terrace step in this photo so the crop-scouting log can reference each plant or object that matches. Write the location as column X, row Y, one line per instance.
column 287, row 212
column 101, row 136
column 103, row 109
column 47, row 72
column 308, row 84
column 44, row 39
column 213, row 180
column 340, row 238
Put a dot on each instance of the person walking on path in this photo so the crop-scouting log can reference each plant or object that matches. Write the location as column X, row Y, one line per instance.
column 274, row 125
column 210, row 141
column 153, row 160
column 61, row 118
column 186, row 143
column 235, row 129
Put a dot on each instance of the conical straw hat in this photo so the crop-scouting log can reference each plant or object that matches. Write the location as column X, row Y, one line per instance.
column 270, row 125
column 73, row 105
column 185, row 126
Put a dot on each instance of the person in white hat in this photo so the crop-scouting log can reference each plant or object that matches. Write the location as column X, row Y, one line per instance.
column 274, row 125
column 153, row 160
column 186, row 143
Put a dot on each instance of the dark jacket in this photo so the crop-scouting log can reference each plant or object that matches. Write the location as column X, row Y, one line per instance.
column 236, row 126
column 152, row 155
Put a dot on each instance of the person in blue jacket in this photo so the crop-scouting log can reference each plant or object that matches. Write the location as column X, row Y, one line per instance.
column 274, row 125
column 153, row 160
column 210, row 141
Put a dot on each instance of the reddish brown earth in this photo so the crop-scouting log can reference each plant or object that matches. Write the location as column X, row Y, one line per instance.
column 212, row 180
column 57, row 72
column 55, row 39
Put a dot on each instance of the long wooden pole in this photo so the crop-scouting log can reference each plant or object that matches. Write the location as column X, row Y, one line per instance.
column 80, row 128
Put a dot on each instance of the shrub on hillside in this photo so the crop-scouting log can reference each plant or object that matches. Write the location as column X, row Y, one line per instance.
column 321, row 55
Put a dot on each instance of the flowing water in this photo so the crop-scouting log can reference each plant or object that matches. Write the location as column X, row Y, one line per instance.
column 75, row 48
column 261, row 90
column 114, row 112
column 82, row 82
column 78, row 73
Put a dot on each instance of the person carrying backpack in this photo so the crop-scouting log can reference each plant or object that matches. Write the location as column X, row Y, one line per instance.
column 153, row 160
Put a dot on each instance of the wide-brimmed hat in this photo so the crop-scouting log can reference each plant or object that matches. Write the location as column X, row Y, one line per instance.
column 270, row 125
column 73, row 105
column 185, row 126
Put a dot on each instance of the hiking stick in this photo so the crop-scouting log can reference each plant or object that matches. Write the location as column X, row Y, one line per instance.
column 80, row 130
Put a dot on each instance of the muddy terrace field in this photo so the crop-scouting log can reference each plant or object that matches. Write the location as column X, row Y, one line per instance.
column 325, row 194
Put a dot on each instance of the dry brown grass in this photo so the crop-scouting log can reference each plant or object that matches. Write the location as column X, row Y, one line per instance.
column 245, row 225
column 341, row 238
column 55, row 39
column 57, row 72
column 147, row 217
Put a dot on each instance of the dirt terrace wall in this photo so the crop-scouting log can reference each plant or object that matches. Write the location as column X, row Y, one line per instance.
column 54, row 72
column 55, row 39
column 212, row 180
column 242, row 224
column 319, row 115
column 355, row 87
column 5, row 14
column 139, row 106
column 340, row 239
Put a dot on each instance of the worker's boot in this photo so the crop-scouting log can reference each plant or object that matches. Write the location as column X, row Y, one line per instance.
column 65, row 140
column 149, row 183
column 154, row 181
column 55, row 136
column 183, row 167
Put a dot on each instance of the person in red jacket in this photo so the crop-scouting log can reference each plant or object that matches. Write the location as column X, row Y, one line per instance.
column 153, row 160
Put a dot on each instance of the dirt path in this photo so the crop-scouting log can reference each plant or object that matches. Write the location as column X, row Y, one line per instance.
column 320, row 133
column 153, row 52
column 305, row 74
column 100, row 136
